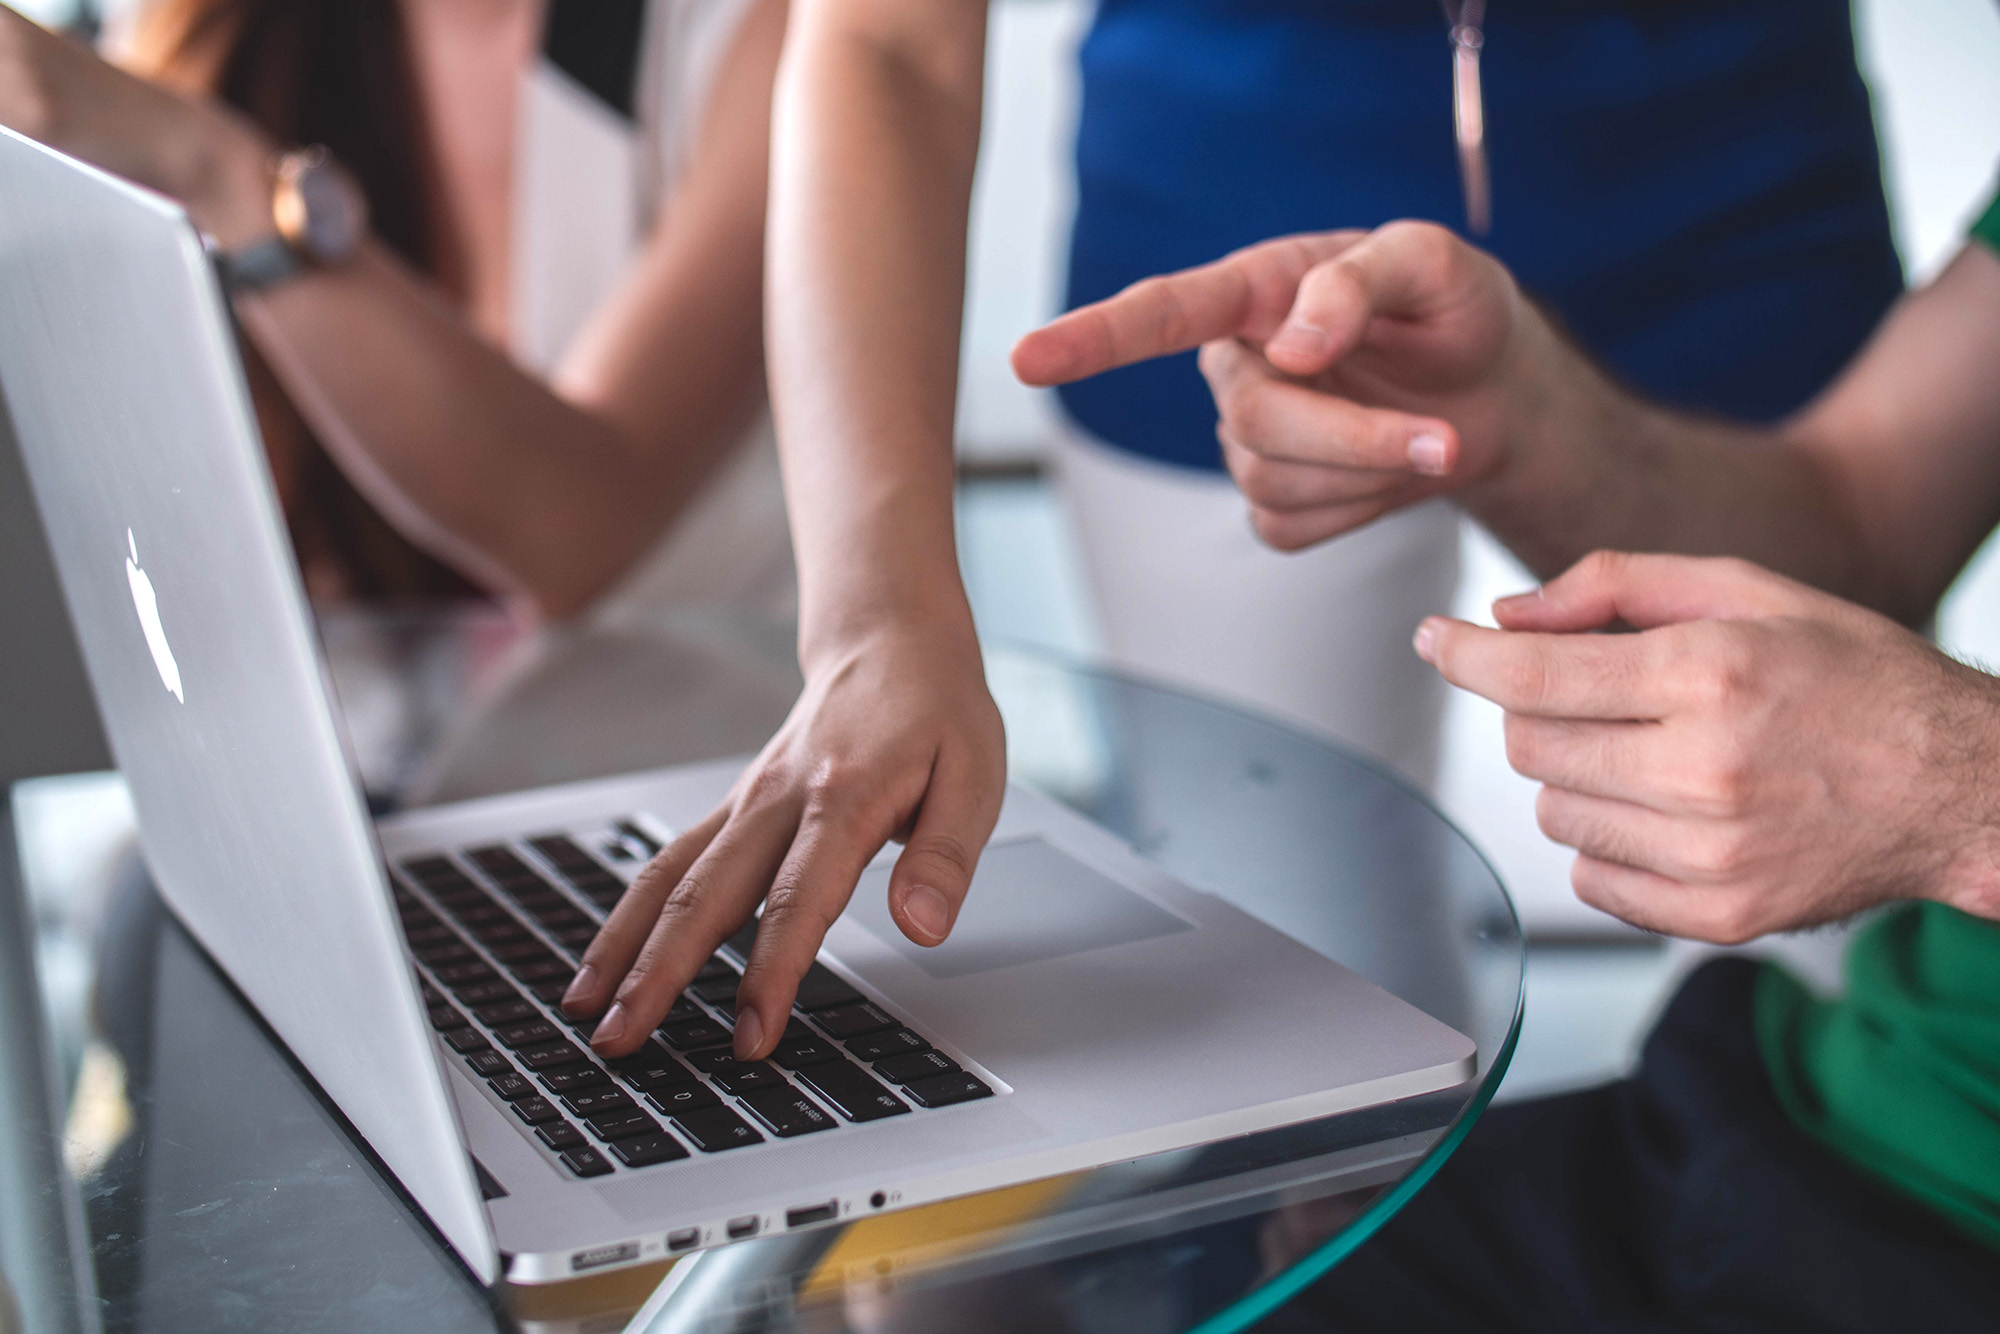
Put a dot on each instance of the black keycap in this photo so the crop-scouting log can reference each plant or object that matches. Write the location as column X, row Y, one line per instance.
column 425, row 868
column 677, row 1098
column 506, row 1012
column 717, row 988
column 684, row 1009
column 574, row 938
column 496, row 860
column 694, row 1033
column 550, row 969
column 632, row 830
column 646, row 1150
column 573, row 1079
column 498, row 936
column 488, row 1062
column 853, row 1093
column 550, row 993
column 561, row 850
column 512, row 1086
column 822, row 989
column 713, row 1129
column 744, row 940
column 597, row 884
column 621, row 1125
column 461, row 977
column 428, row 935
column 535, row 1110
column 438, row 957
column 443, row 1018
column 708, row 1062
column 787, row 1112
column 795, row 1054
column 898, row 1041
column 716, row 967
column 848, row 1021
column 559, row 1135
column 944, row 1090
column 528, row 1035
column 586, row 1162
column 650, row 1067
column 465, row 1041
column 740, row 1079
column 483, row 912
column 523, row 953
column 599, row 1101
column 917, row 1065
column 488, row 993
column 550, row 1055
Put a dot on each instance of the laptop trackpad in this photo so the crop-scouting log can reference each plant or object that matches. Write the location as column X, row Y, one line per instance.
column 1030, row 901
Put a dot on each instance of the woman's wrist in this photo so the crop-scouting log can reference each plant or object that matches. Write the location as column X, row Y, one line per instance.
column 225, row 177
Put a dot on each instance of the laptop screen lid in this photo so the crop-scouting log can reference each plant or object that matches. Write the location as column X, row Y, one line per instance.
column 119, row 369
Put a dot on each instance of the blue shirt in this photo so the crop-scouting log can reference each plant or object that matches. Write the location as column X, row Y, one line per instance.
column 1693, row 185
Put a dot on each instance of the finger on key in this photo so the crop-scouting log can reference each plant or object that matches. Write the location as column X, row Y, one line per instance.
column 811, row 890
column 712, row 901
column 612, row 951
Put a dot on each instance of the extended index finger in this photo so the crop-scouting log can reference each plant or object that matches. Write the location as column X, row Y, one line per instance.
column 1246, row 295
column 1550, row 676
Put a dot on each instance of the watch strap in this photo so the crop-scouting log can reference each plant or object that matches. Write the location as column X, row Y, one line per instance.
column 258, row 265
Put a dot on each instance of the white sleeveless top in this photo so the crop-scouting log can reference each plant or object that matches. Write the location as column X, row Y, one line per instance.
column 595, row 168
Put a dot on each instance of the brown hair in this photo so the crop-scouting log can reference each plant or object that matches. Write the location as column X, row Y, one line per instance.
column 338, row 73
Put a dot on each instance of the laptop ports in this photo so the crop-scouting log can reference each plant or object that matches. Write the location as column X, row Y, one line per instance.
column 684, row 1240
column 812, row 1213
column 746, row 1226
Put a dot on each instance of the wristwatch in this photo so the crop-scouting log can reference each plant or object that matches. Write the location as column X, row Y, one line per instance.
column 320, row 215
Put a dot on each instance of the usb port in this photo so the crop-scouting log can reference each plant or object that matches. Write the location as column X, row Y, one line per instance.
column 812, row 1213
column 684, row 1239
column 745, row 1226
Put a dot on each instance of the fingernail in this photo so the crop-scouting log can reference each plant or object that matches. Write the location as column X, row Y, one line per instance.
column 579, row 986
column 1426, row 640
column 613, row 1026
column 927, row 911
column 749, row 1034
column 1517, row 599
column 1427, row 453
column 1302, row 337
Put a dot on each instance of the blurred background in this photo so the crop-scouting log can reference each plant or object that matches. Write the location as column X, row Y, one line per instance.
column 1934, row 66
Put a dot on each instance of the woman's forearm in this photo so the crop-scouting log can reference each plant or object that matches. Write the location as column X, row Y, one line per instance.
column 469, row 456
column 876, row 136
column 550, row 490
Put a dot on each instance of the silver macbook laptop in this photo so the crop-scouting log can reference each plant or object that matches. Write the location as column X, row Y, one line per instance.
column 1087, row 1009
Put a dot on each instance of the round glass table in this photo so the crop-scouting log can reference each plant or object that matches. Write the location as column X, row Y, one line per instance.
column 167, row 1166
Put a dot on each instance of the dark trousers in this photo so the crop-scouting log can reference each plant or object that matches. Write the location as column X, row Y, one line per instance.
column 1680, row 1199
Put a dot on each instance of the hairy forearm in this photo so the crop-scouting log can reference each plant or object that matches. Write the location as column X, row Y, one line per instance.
column 1590, row 465
column 874, row 149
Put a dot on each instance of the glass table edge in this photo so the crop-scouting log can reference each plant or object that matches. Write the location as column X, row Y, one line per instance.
column 1274, row 1292
column 1268, row 1296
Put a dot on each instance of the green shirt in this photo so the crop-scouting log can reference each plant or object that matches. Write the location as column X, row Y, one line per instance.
column 1901, row 1076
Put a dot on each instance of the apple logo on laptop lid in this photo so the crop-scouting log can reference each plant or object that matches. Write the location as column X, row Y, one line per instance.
column 148, row 605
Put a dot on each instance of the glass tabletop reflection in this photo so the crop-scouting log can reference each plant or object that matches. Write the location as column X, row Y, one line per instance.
column 180, row 1171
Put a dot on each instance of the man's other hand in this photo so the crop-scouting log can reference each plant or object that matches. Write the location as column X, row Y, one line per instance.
column 1758, row 757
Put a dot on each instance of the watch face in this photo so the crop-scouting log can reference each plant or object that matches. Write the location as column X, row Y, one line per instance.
column 319, row 208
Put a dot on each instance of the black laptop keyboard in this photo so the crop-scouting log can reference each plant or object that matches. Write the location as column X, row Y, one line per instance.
column 497, row 931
